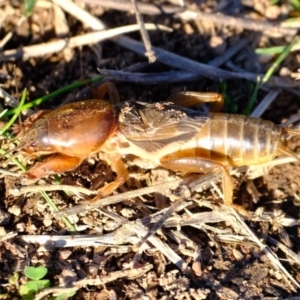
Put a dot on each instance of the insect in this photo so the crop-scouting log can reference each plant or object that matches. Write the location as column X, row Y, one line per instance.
column 166, row 133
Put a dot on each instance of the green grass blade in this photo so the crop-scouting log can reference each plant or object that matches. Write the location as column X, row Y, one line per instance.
column 58, row 92
column 16, row 113
column 29, row 6
column 260, row 82
column 279, row 60
column 54, row 207
column 270, row 50
column 295, row 4
column 14, row 160
column 253, row 98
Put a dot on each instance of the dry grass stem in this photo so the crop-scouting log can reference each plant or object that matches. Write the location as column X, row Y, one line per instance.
column 90, row 38
column 133, row 273
column 9, row 35
column 230, row 52
column 160, row 222
column 8, row 236
column 194, row 185
column 271, row 29
column 189, row 65
column 294, row 257
column 8, row 99
column 60, row 22
column 80, row 14
column 56, row 291
column 199, row 218
column 265, row 103
column 9, row 173
column 76, row 190
column 155, row 78
column 272, row 257
column 113, row 276
column 161, row 246
column 172, row 76
column 60, row 241
column 145, row 36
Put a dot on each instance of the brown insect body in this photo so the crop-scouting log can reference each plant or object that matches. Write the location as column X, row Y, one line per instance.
column 172, row 136
column 75, row 129
column 237, row 140
column 232, row 140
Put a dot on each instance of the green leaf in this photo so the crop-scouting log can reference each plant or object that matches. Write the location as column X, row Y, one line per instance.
column 29, row 5
column 32, row 286
column 14, row 278
column 25, row 293
column 37, row 285
column 23, row 290
column 295, row 4
column 65, row 295
column 35, row 273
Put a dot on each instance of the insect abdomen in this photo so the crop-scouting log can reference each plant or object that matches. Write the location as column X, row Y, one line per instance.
column 237, row 140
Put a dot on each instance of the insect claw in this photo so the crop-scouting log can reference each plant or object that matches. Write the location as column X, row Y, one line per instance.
column 25, row 180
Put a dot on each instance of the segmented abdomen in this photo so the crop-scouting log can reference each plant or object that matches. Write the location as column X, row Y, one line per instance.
column 237, row 140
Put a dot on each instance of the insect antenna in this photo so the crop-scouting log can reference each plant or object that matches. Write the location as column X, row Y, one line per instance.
column 283, row 150
column 291, row 131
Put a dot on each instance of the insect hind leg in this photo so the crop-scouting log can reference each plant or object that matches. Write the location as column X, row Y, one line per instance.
column 107, row 88
column 201, row 165
column 189, row 99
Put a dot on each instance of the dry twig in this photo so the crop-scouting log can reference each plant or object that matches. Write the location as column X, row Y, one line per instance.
column 203, row 180
column 189, row 65
column 180, row 62
column 76, row 190
column 89, row 38
column 271, row 29
column 145, row 36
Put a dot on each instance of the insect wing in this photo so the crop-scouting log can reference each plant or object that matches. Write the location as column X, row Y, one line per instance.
column 154, row 126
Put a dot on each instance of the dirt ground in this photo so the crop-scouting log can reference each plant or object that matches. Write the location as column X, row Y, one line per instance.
column 197, row 248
